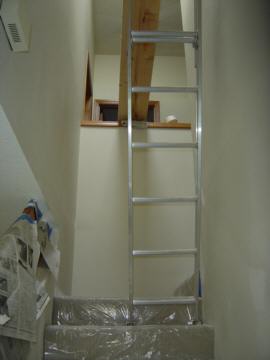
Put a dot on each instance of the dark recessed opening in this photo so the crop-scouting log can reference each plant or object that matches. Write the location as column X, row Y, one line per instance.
column 109, row 112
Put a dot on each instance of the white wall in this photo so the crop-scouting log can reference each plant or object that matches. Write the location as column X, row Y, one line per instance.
column 101, row 247
column 42, row 94
column 236, row 223
column 168, row 71
column 91, row 37
column 17, row 181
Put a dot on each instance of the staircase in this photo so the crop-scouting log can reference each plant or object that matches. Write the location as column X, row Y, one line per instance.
column 100, row 329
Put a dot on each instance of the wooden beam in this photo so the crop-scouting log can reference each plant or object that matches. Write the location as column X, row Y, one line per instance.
column 145, row 17
column 123, row 84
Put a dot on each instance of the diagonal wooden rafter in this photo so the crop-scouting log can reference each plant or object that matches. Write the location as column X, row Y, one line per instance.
column 145, row 17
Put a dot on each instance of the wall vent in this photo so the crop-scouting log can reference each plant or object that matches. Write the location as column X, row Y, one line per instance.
column 14, row 15
column 14, row 32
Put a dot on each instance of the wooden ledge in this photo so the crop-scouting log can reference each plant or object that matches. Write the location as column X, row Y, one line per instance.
column 155, row 125
column 164, row 125
column 91, row 123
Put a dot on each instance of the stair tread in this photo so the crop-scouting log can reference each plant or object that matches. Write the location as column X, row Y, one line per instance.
column 129, row 342
column 194, row 328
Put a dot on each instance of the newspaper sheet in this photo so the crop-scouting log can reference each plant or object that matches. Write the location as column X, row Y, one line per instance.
column 19, row 256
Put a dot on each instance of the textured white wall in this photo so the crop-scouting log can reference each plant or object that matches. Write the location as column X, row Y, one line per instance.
column 168, row 71
column 101, row 245
column 236, row 227
column 42, row 94
column 17, row 182
column 91, row 37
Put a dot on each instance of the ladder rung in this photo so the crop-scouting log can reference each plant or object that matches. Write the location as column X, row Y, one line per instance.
column 164, row 36
column 139, row 253
column 169, row 301
column 164, row 145
column 163, row 89
column 154, row 200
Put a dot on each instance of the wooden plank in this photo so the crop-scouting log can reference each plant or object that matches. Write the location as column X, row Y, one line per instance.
column 164, row 125
column 123, row 84
column 105, row 124
column 154, row 125
column 145, row 18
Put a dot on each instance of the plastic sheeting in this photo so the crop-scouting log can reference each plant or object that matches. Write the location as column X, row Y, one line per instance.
column 72, row 311
column 129, row 342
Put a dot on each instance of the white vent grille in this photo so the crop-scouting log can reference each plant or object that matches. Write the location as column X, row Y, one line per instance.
column 14, row 32
column 14, row 15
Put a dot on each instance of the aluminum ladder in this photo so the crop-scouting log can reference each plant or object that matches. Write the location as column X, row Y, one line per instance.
column 193, row 38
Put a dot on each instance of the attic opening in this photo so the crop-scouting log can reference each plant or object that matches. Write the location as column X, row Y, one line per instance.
column 152, row 65
column 107, row 110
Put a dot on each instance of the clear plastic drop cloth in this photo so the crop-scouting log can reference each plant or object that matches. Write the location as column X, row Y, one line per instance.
column 129, row 342
column 74, row 311
column 69, row 311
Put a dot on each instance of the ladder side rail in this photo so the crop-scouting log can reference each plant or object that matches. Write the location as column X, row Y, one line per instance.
column 198, row 155
column 130, row 167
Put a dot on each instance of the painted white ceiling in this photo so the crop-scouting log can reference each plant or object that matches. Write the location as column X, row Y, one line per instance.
column 108, row 26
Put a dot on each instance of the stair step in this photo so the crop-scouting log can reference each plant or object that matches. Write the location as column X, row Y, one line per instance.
column 115, row 312
column 129, row 342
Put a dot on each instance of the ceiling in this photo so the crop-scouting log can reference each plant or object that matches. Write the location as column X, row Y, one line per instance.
column 108, row 26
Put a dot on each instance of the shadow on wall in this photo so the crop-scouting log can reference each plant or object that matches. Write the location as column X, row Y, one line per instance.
column 17, row 182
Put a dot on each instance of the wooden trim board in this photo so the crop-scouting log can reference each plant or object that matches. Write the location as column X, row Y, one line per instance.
column 156, row 125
